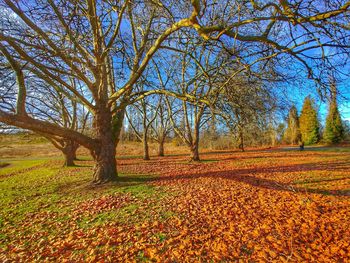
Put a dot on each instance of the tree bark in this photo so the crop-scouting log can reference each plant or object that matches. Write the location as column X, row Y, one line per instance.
column 47, row 128
column 161, row 147
column 69, row 158
column 195, row 144
column 117, row 123
column 241, row 143
column 69, row 151
column 195, row 153
column 105, row 169
column 145, row 146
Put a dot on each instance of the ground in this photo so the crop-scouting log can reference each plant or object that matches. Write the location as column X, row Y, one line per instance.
column 260, row 205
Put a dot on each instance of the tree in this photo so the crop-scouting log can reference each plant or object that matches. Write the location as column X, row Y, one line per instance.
column 346, row 130
column 200, row 66
column 309, row 124
column 148, row 114
column 46, row 103
column 104, row 46
column 244, row 104
column 292, row 133
column 161, row 126
column 334, row 130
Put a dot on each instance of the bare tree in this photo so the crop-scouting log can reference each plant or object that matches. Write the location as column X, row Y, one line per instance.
column 243, row 103
column 90, row 42
column 106, row 46
column 45, row 103
column 148, row 113
column 160, row 127
column 200, row 66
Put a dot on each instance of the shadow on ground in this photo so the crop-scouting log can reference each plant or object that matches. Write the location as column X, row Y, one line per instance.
column 248, row 176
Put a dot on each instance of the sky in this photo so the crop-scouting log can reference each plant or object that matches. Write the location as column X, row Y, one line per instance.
column 297, row 95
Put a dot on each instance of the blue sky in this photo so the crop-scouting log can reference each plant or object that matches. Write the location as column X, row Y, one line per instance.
column 297, row 95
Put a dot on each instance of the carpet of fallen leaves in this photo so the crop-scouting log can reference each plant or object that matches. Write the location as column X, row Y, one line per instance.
column 255, row 206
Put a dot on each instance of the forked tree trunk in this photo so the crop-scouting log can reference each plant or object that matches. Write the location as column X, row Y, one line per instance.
column 145, row 146
column 104, row 155
column 161, row 147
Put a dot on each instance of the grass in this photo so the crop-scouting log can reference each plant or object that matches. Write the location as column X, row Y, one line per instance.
column 30, row 187
column 46, row 206
column 318, row 148
column 24, row 138
column 329, row 149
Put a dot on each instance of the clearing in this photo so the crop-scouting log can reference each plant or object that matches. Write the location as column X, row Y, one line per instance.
column 260, row 205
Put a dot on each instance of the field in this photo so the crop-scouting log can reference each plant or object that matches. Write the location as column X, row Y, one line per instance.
column 261, row 205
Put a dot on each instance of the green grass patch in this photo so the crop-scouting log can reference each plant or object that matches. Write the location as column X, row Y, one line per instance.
column 30, row 189
column 329, row 149
column 15, row 166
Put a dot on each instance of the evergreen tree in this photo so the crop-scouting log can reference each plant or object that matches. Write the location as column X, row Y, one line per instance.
column 334, row 130
column 292, row 134
column 309, row 125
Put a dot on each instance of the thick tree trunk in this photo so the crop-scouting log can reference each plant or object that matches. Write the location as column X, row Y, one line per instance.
column 117, row 125
column 145, row 147
column 105, row 165
column 161, row 147
column 104, row 155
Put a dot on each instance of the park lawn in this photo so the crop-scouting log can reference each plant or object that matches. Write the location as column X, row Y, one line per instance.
column 253, row 206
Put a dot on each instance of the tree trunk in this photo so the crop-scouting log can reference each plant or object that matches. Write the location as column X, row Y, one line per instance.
column 195, row 144
column 104, row 154
column 145, row 146
column 69, row 151
column 195, row 153
column 69, row 157
column 117, row 123
column 161, row 147
column 241, row 138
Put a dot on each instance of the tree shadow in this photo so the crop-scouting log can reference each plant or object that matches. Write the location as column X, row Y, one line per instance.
column 85, row 185
column 135, row 179
column 247, row 176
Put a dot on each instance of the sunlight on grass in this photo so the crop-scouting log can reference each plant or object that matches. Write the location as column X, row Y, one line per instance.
column 33, row 186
